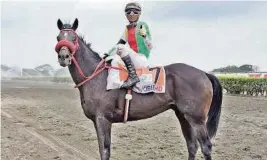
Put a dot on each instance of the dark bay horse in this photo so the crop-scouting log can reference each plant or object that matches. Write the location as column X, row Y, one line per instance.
column 194, row 96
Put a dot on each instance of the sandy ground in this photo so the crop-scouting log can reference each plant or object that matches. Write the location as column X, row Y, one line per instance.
column 44, row 121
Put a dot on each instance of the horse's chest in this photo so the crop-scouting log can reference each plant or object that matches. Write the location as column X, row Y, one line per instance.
column 89, row 108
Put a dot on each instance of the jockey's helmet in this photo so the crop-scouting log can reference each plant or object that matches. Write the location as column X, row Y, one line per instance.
column 133, row 5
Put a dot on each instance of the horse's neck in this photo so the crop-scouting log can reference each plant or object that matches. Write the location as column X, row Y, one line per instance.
column 87, row 61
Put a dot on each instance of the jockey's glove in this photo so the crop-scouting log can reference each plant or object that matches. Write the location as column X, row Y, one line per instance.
column 142, row 31
column 105, row 55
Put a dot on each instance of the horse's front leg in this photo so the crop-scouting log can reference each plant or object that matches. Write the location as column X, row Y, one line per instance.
column 103, row 130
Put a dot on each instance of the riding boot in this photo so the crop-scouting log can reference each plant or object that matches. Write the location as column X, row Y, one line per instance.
column 132, row 76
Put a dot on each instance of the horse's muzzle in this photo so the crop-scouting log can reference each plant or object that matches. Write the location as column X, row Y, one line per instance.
column 64, row 56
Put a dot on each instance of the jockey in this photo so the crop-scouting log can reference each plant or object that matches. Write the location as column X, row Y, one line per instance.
column 137, row 35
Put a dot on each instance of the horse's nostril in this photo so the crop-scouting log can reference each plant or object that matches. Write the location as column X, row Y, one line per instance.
column 58, row 56
column 67, row 56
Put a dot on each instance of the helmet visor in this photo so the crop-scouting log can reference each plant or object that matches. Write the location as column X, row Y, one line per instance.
column 129, row 11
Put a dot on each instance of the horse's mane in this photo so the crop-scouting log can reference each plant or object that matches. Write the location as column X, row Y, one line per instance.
column 81, row 37
column 88, row 45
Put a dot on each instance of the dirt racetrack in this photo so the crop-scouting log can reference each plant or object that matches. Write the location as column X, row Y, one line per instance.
column 44, row 121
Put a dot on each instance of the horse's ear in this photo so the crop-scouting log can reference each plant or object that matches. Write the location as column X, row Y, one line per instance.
column 75, row 24
column 59, row 24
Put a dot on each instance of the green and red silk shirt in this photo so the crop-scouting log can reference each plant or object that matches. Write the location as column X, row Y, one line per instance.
column 141, row 45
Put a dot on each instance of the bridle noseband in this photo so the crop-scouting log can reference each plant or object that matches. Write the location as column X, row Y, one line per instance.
column 73, row 47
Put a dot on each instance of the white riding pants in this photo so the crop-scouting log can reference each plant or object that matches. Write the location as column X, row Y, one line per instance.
column 120, row 50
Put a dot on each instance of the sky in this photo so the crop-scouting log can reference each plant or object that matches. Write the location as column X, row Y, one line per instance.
column 206, row 35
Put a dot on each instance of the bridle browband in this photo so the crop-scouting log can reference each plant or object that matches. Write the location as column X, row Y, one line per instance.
column 73, row 47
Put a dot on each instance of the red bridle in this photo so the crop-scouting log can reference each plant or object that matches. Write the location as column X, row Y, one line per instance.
column 73, row 48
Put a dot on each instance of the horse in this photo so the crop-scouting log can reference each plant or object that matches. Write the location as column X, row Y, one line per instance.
column 195, row 96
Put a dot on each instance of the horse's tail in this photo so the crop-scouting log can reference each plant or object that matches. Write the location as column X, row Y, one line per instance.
column 215, row 108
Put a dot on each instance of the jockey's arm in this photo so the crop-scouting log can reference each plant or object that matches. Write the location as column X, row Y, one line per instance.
column 111, row 51
column 121, row 41
column 147, row 38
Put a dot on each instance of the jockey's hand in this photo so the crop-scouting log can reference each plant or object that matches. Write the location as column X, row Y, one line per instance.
column 142, row 31
column 105, row 56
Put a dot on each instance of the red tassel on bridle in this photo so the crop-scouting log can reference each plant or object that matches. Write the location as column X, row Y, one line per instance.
column 71, row 46
column 66, row 43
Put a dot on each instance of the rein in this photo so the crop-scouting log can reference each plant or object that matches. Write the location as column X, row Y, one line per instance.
column 73, row 48
column 96, row 72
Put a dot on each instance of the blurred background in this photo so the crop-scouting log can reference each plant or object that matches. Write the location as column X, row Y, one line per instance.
column 207, row 35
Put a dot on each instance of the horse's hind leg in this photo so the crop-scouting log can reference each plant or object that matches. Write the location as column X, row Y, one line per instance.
column 189, row 135
column 200, row 130
column 204, row 141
